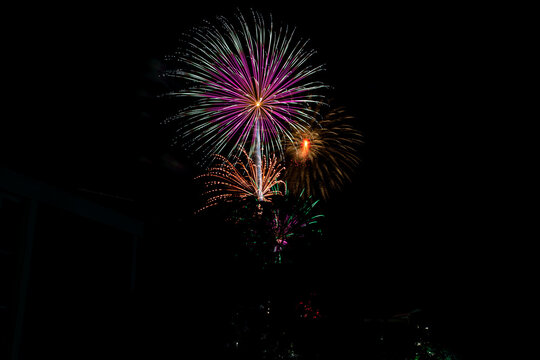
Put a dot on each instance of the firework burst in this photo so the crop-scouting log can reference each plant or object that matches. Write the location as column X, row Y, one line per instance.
column 322, row 156
column 250, row 85
column 291, row 221
column 229, row 181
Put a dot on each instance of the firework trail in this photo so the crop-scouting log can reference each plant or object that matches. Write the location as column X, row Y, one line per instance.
column 229, row 181
column 250, row 86
column 322, row 157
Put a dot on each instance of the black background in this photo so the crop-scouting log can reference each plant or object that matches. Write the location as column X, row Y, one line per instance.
column 409, row 232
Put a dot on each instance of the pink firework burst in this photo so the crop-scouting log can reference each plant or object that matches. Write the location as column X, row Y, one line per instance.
column 250, row 85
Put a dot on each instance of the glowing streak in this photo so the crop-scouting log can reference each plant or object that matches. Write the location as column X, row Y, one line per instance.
column 305, row 149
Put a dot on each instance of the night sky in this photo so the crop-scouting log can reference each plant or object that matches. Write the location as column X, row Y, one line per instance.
column 406, row 234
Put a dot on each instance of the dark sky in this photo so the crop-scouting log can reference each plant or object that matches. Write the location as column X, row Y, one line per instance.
column 409, row 228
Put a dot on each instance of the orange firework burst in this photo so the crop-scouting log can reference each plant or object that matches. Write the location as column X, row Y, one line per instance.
column 229, row 181
column 322, row 157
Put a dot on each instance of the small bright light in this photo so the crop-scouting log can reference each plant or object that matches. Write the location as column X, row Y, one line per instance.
column 258, row 103
column 306, row 143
